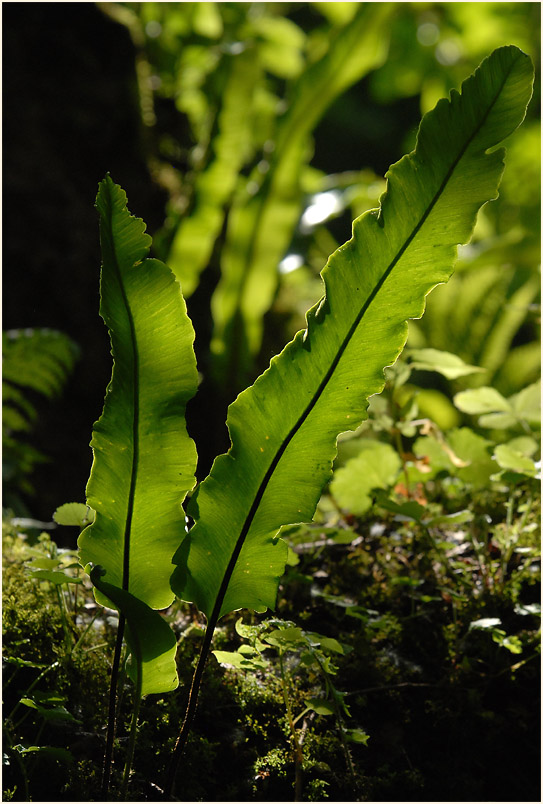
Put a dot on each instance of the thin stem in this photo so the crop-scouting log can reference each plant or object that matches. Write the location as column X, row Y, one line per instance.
column 401, row 453
column 133, row 733
column 62, row 607
column 298, row 758
column 121, row 683
column 111, row 720
column 75, row 592
column 191, row 707
column 84, row 634
column 339, row 719
column 33, row 758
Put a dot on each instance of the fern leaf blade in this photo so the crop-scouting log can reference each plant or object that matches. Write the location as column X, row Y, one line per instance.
column 144, row 460
column 283, row 429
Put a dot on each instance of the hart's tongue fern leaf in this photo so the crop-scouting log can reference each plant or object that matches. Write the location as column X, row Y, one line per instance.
column 283, row 429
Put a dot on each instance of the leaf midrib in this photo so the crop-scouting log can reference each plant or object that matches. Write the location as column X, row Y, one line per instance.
column 301, row 420
column 135, row 402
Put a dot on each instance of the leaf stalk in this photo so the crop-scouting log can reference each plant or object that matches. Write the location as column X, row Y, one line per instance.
column 112, row 720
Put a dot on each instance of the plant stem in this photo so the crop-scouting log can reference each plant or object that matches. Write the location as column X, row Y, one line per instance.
column 298, row 758
column 111, row 720
column 401, row 453
column 333, row 694
column 191, row 707
column 133, row 733
column 62, row 607
column 84, row 634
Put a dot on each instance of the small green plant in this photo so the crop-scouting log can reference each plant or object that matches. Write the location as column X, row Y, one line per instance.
column 283, row 429
column 48, row 656
column 301, row 650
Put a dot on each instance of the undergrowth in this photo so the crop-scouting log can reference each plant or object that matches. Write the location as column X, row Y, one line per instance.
column 440, row 670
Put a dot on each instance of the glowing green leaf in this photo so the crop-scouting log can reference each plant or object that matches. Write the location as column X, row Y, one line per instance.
column 284, row 428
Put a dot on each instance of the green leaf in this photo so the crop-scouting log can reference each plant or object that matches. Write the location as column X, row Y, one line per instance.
column 151, row 640
column 55, row 714
column 239, row 661
column 284, row 428
column 445, row 520
column 17, row 412
column 527, row 404
column 56, row 578
column 40, row 359
column 481, row 400
column 474, row 450
column 144, row 461
column 525, row 445
column 285, row 638
column 514, row 461
column 330, row 644
column 512, row 643
column 375, row 467
column 451, row 366
column 501, row 413
column 408, row 510
column 22, row 662
column 281, row 50
column 473, row 462
column 61, row 754
column 43, row 563
column 194, row 239
column 264, row 216
column 357, row 736
column 320, row 705
column 74, row 513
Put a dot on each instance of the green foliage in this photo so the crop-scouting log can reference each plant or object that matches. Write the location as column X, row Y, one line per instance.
column 187, row 56
column 298, row 653
column 143, row 457
column 231, row 558
column 250, row 147
column 55, row 668
column 35, row 361
column 151, row 641
column 438, row 592
column 266, row 210
column 377, row 465
column 522, row 410
column 40, row 359
column 144, row 461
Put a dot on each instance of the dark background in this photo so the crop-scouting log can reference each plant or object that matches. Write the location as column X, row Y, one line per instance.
column 70, row 114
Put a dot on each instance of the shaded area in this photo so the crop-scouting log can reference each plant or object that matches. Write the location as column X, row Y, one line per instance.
column 70, row 114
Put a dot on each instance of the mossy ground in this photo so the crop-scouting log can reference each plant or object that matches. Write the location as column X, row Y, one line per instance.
column 451, row 710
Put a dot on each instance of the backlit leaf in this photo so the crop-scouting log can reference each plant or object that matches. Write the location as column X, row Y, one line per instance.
column 151, row 640
column 451, row 366
column 144, row 461
column 284, row 428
